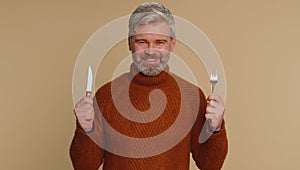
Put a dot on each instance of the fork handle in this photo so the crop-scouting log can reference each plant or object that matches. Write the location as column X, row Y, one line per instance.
column 213, row 88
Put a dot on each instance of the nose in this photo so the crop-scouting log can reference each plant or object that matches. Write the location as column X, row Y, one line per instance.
column 150, row 51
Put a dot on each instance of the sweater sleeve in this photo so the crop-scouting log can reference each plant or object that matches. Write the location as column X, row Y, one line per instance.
column 209, row 150
column 85, row 151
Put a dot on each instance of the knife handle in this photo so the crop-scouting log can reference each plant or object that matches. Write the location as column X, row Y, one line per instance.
column 88, row 93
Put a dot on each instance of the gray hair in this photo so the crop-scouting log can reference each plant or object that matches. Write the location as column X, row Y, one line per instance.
column 148, row 13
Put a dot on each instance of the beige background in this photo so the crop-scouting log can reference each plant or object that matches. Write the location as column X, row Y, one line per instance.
column 258, row 42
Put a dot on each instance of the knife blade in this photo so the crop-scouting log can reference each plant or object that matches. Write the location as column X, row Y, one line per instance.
column 89, row 82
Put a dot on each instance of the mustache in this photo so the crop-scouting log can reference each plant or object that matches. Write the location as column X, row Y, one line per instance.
column 147, row 56
column 150, row 57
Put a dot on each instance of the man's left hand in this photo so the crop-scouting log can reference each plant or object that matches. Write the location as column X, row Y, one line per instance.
column 215, row 112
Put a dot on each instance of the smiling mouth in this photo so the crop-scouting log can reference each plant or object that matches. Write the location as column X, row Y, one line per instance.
column 151, row 61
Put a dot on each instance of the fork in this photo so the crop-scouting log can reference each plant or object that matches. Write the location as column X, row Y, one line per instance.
column 213, row 79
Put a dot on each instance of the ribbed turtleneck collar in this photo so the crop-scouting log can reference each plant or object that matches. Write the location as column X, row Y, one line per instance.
column 139, row 78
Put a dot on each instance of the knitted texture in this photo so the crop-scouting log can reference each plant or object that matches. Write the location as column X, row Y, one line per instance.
column 154, row 105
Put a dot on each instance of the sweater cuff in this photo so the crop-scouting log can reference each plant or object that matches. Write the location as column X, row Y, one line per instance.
column 91, row 130
column 214, row 133
column 207, row 135
column 88, row 131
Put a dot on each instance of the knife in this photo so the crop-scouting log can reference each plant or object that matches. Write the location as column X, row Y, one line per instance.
column 89, row 83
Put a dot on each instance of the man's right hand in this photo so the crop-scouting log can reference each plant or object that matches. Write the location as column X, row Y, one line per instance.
column 85, row 113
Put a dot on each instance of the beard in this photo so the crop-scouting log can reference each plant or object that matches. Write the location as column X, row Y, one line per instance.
column 150, row 69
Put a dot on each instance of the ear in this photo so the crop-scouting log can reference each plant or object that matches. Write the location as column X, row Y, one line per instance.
column 173, row 43
column 129, row 39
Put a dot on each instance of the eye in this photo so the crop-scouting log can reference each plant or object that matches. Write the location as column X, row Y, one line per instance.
column 142, row 42
column 160, row 43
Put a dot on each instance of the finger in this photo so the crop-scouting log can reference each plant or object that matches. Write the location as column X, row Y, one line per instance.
column 214, row 110
column 216, row 102
column 83, row 106
column 84, row 109
column 85, row 118
column 212, row 103
column 87, row 110
column 214, row 97
column 212, row 118
column 88, row 100
column 89, row 117
column 83, row 101
column 209, row 110
column 209, row 117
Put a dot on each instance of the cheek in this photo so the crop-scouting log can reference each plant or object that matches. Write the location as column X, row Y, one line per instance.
column 137, row 56
column 165, row 57
column 136, row 48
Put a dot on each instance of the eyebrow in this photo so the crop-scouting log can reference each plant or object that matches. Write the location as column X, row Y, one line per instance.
column 162, row 40
column 142, row 39
column 136, row 40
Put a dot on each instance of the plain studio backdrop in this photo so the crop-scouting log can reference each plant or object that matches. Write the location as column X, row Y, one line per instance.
column 258, row 42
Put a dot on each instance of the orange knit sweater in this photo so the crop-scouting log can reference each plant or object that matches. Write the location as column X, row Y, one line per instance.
column 183, row 107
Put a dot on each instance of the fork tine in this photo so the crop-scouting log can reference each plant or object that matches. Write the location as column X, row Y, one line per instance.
column 213, row 79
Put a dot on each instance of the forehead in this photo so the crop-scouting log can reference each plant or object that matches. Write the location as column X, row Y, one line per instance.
column 157, row 28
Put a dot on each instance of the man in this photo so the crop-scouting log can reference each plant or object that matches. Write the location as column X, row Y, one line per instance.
column 145, row 103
